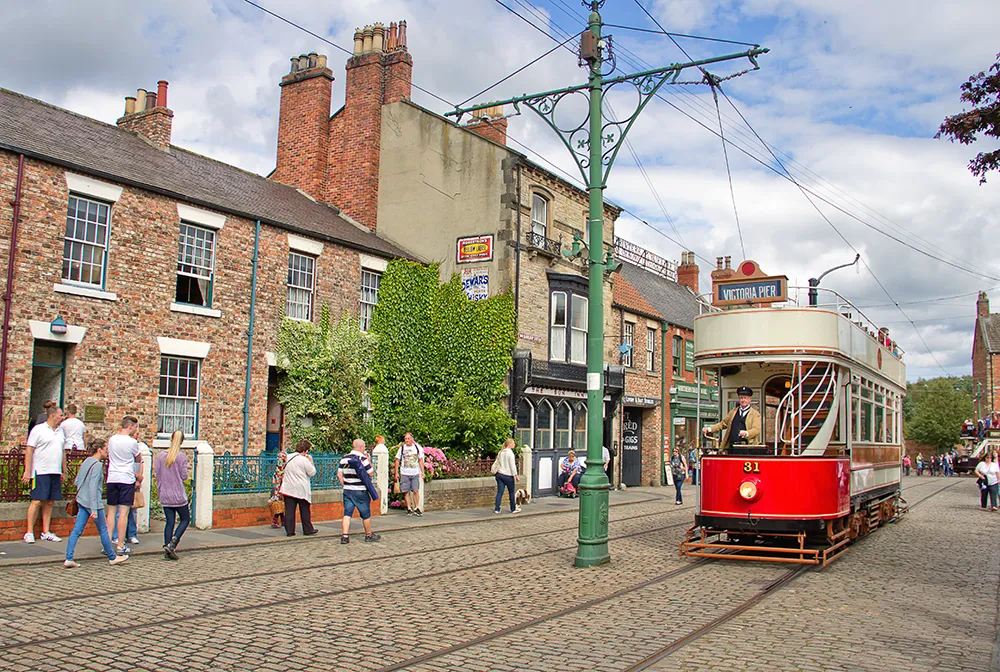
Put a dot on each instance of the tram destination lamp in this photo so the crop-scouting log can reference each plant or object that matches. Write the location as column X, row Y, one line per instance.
column 814, row 282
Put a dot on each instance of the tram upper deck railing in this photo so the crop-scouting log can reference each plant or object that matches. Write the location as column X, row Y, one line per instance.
column 792, row 327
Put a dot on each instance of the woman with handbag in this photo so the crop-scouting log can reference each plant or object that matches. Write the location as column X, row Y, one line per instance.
column 296, row 488
column 505, row 470
column 989, row 481
column 275, row 502
column 88, row 504
column 171, row 471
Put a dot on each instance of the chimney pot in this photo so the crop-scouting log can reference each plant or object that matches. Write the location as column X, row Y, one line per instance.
column 378, row 37
column 718, row 263
column 402, row 35
column 161, row 93
column 321, row 61
column 129, row 104
column 359, row 38
column 367, row 45
column 303, row 62
column 150, row 100
column 140, row 100
column 391, row 39
column 295, row 64
column 728, row 266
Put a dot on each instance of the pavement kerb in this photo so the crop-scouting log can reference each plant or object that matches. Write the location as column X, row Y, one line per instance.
column 651, row 496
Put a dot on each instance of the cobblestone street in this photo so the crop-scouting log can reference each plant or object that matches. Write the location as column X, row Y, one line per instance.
column 501, row 595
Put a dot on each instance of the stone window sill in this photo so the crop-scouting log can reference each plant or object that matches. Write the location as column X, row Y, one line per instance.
column 195, row 310
column 87, row 292
column 165, row 443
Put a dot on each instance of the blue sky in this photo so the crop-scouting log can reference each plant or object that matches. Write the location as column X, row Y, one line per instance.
column 852, row 92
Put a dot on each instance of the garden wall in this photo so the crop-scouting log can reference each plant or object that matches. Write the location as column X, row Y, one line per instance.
column 462, row 493
column 250, row 510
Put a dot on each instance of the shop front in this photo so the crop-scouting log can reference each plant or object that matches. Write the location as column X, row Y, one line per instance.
column 684, row 412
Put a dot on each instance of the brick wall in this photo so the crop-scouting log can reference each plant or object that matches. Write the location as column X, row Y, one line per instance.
column 153, row 124
column 141, row 270
column 981, row 372
column 464, row 493
column 641, row 383
column 304, row 130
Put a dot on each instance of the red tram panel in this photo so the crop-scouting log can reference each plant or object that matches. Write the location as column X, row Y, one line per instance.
column 785, row 488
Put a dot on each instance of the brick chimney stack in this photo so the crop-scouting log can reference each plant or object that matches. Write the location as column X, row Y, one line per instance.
column 687, row 272
column 304, row 125
column 721, row 273
column 147, row 115
column 490, row 123
column 983, row 305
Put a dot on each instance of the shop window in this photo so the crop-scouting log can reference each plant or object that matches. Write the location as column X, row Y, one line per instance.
column 543, row 426
column 563, row 426
column 580, row 427
column 524, row 423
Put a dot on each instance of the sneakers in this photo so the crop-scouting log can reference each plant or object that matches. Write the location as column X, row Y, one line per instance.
column 118, row 560
column 70, row 564
column 133, row 540
column 123, row 550
column 345, row 539
column 409, row 512
column 496, row 511
column 48, row 536
column 29, row 538
column 372, row 538
column 517, row 509
column 678, row 503
column 169, row 552
column 417, row 513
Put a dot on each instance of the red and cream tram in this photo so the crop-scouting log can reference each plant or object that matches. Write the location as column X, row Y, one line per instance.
column 826, row 466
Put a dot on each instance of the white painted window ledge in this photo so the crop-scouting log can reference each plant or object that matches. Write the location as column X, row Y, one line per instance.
column 188, row 443
column 84, row 291
column 195, row 310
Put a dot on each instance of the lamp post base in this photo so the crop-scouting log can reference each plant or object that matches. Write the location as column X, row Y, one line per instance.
column 592, row 542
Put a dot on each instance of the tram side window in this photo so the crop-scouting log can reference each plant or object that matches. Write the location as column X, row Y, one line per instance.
column 867, row 413
column 880, row 418
column 855, row 429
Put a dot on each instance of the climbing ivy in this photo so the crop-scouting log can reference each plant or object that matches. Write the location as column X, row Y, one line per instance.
column 441, row 361
column 322, row 370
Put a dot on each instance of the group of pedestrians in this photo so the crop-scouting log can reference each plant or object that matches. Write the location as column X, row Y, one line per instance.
column 56, row 433
column 936, row 465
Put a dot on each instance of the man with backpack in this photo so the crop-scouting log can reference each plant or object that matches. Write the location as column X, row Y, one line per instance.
column 355, row 474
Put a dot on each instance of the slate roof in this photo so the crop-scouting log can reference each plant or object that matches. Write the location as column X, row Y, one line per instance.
column 676, row 303
column 990, row 326
column 49, row 133
column 624, row 295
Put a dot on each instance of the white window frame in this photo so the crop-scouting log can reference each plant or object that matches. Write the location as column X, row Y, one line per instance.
column 178, row 400
column 530, row 429
column 650, row 350
column 539, row 214
column 370, row 293
column 300, row 289
column 578, row 309
column 189, row 261
column 563, row 438
column 628, row 338
column 85, row 245
column 558, row 354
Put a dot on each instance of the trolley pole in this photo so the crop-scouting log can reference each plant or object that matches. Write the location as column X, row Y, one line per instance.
column 594, row 144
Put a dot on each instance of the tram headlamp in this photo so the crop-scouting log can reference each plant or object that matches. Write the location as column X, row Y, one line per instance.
column 748, row 490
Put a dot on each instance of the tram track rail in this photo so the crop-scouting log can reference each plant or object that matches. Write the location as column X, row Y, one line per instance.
column 770, row 588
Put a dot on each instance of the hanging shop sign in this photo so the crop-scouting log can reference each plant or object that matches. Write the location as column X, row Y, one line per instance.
column 476, row 283
column 475, row 248
column 749, row 286
column 645, row 402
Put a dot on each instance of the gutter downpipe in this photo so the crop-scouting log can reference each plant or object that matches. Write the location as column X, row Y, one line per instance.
column 664, row 406
column 253, row 302
column 517, row 275
column 9, row 289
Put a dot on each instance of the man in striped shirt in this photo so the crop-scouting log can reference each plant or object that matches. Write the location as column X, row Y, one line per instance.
column 355, row 493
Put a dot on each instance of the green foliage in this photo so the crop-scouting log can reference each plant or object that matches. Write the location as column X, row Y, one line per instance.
column 323, row 369
column 441, row 361
column 934, row 410
column 982, row 91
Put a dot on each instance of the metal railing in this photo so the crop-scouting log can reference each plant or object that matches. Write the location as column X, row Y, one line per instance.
column 542, row 243
column 238, row 474
column 12, row 466
column 639, row 256
column 463, row 468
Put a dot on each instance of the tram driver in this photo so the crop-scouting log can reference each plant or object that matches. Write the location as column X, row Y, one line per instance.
column 742, row 425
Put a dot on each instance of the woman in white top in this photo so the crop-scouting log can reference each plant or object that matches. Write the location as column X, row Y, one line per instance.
column 296, row 488
column 505, row 470
column 988, row 471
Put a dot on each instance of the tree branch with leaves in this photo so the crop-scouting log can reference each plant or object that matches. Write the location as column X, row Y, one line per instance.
column 982, row 91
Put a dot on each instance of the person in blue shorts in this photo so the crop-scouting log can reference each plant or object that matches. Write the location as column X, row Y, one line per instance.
column 356, row 497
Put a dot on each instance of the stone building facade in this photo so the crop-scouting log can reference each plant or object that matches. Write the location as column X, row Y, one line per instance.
column 132, row 271
column 986, row 358
column 458, row 196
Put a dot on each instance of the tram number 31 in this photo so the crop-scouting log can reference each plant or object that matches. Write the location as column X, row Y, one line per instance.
column 751, row 467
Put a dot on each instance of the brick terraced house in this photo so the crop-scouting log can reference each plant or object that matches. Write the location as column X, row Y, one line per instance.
column 458, row 196
column 986, row 358
column 132, row 268
column 655, row 303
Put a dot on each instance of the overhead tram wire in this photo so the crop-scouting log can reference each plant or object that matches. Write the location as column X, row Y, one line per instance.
column 811, row 202
column 516, row 72
column 334, row 45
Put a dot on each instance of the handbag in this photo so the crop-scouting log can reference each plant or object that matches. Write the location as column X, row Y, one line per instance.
column 277, row 507
column 496, row 466
column 395, row 488
column 72, row 507
column 138, row 501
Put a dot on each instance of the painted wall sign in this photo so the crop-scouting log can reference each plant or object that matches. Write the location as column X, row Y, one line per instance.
column 767, row 290
column 476, row 283
column 529, row 338
column 554, row 392
column 688, row 355
column 647, row 402
column 475, row 248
